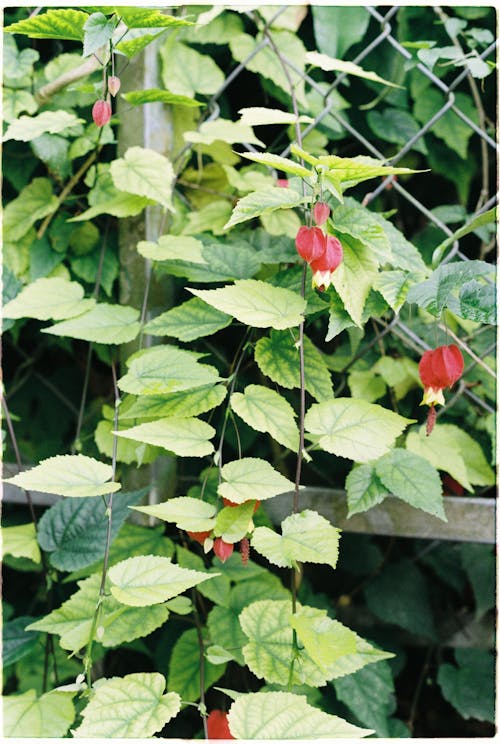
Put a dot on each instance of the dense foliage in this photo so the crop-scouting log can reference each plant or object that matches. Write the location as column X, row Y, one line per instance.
column 190, row 333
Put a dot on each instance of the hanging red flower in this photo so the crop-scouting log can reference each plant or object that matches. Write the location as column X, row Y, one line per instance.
column 439, row 369
column 218, row 726
column 200, row 537
column 222, row 549
column 101, row 113
column 321, row 213
column 322, row 252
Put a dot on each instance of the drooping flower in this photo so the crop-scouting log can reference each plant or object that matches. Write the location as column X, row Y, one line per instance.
column 101, row 112
column 310, row 243
column 321, row 213
column 114, row 84
column 228, row 502
column 222, row 549
column 200, row 537
column 218, row 726
column 322, row 252
column 439, row 369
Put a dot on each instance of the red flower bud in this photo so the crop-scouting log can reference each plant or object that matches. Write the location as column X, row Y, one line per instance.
column 101, row 113
column 223, row 549
column 310, row 243
column 218, row 726
column 321, row 213
column 114, row 84
column 199, row 536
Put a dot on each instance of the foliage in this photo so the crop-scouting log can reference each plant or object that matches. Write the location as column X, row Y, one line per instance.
column 168, row 405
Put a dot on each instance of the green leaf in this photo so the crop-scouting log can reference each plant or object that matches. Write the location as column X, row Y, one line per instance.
column 224, row 130
column 438, row 292
column 283, row 715
column 105, row 324
column 393, row 286
column 74, row 531
column 451, row 449
column 336, row 29
column 329, row 64
column 184, row 667
column 147, row 580
column 186, row 512
column 251, row 478
column 66, row 24
column 166, row 369
column 306, row 537
column 265, row 410
column 133, row 706
column 17, row 101
column 325, row 640
column 20, row 542
column 136, row 40
column 186, row 403
column 36, row 200
column 118, row 204
column 482, row 219
column 154, row 95
column 234, row 522
column 479, row 564
column 478, row 302
column 68, row 475
column 144, row 172
column 364, row 384
column 338, row 317
column 16, row 642
column 190, row 320
column 257, row 115
column 399, row 596
column 48, row 298
column 354, row 429
column 219, row 261
column 17, row 66
column 404, row 254
column 448, row 127
column 186, row 437
column 28, row 128
column 50, row 715
column 412, row 479
column 98, row 32
column 354, row 276
column 369, row 694
column 262, row 202
column 186, row 71
column 277, row 162
column 470, row 686
column 148, row 18
column 361, row 224
column 364, row 489
column 256, row 303
column 395, row 125
column 350, row 171
column 278, row 357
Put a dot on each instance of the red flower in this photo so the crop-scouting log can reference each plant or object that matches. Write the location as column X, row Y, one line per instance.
column 199, row 536
column 322, row 252
column 222, row 549
column 439, row 369
column 282, row 183
column 114, row 84
column 321, row 213
column 227, row 502
column 217, row 725
column 101, row 113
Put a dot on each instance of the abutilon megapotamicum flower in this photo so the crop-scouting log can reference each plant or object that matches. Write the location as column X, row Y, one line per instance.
column 321, row 213
column 439, row 369
column 222, row 549
column 218, row 726
column 322, row 252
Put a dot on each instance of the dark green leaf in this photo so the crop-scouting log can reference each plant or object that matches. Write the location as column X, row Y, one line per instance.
column 369, row 694
column 470, row 687
column 438, row 292
column 478, row 302
column 16, row 642
column 336, row 29
column 478, row 562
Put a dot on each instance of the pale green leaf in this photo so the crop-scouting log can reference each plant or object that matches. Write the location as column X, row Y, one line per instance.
column 412, row 479
column 98, row 32
column 350, row 171
column 266, row 410
column 185, row 403
column 278, row 357
column 173, row 248
column 62, row 23
column 251, row 478
column 325, row 640
column 444, row 284
column 393, row 286
column 186, row 437
column 36, row 200
column 186, row 512
column 306, row 537
column 140, row 17
column 222, row 129
column 68, row 475
column 166, row 369
column 255, row 115
column 20, row 541
column 184, row 667
column 234, row 522
column 360, row 223
column 186, row 71
column 365, row 654
column 329, row 64
column 482, row 219
column 364, row 489
column 478, row 302
column 363, row 383
column 148, row 580
column 284, row 715
column 451, row 449
column 190, row 320
column 127, row 451
column 256, row 303
column 399, row 374
column 104, row 324
column 144, row 172
column 279, row 163
column 263, row 201
column 48, row 298
column 354, row 277
column 354, row 429
column 281, row 222
column 118, row 204
column 136, row 40
column 133, row 706
column 28, row 128
column 153, row 95
column 404, row 254
column 16, row 101
column 48, row 716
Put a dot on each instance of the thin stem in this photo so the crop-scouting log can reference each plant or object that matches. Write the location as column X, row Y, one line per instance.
column 418, row 689
column 17, row 454
column 202, row 707
column 468, row 350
